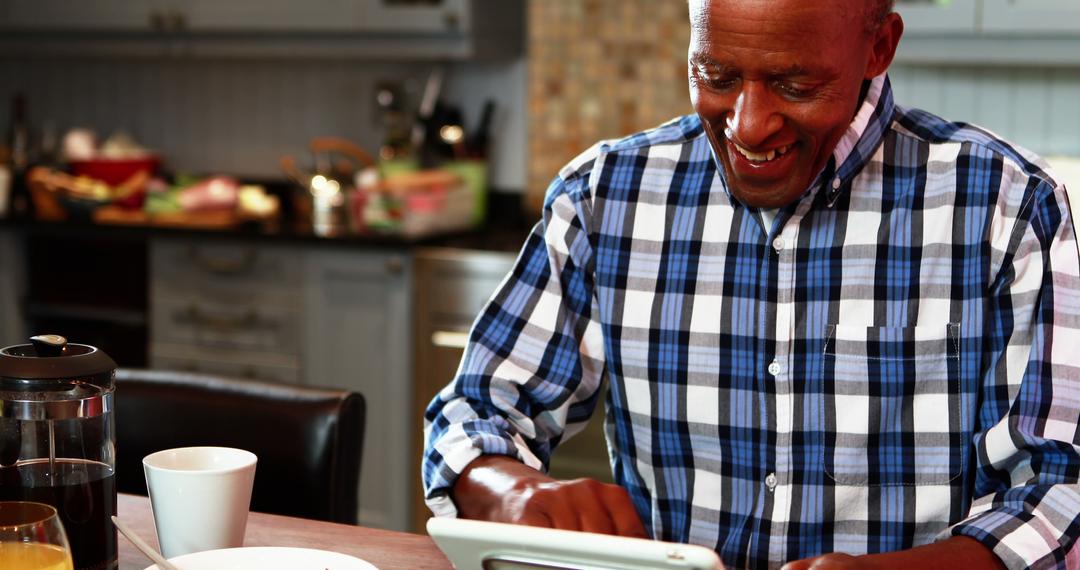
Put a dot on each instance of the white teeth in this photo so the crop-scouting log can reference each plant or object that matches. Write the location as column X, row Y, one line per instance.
column 761, row 156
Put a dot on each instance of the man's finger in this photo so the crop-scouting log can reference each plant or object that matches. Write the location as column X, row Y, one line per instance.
column 593, row 515
column 622, row 512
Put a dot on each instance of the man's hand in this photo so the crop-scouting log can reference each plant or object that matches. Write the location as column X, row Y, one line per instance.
column 501, row 489
column 949, row 554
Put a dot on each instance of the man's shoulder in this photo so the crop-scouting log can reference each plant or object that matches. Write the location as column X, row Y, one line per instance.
column 935, row 130
column 667, row 138
column 677, row 131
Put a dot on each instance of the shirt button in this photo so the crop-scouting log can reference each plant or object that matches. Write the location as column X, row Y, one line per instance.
column 778, row 244
column 770, row 481
column 774, row 368
column 836, row 183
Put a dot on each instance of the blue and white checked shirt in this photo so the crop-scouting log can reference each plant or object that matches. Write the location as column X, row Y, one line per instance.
column 892, row 359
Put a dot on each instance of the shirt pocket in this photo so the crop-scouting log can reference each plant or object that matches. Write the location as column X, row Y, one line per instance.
column 892, row 405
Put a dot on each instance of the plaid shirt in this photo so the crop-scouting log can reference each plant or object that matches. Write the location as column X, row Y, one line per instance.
column 891, row 359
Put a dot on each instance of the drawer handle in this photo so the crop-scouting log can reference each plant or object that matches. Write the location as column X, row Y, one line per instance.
column 450, row 339
column 223, row 265
column 248, row 320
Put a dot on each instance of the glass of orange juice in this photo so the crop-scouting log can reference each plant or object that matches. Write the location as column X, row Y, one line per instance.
column 32, row 537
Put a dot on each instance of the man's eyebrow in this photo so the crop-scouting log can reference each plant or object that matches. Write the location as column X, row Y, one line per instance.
column 708, row 62
column 794, row 70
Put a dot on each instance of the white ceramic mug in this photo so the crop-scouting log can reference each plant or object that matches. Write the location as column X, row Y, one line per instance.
column 200, row 497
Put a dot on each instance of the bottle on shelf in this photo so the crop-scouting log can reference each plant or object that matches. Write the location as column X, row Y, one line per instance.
column 18, row 141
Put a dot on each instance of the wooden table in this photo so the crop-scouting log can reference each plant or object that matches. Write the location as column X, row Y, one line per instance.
column 383, row 548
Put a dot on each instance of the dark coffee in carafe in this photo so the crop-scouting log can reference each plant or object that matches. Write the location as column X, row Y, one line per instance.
column 57, row 442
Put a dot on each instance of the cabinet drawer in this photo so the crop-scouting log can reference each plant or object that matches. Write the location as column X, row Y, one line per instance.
column 262, row 327
column 248, row 267
column 460, row 284
column 271, row 368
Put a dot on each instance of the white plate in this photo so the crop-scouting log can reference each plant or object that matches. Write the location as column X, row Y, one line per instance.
column 268, row 558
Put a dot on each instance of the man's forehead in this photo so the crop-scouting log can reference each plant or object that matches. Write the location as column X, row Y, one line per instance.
column 842, row 9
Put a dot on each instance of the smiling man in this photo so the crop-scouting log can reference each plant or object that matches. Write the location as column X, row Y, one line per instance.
column 835, row 332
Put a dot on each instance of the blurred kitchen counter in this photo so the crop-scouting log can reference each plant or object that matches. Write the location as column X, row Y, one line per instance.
column 284, row 306
column 506, row 230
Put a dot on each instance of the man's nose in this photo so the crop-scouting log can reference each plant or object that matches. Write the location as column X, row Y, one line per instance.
column 755, row 117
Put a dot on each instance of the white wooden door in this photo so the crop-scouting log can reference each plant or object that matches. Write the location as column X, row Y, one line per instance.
column 357, row 335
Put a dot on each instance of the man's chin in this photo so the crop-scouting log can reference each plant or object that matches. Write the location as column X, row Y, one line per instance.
column 768, row 198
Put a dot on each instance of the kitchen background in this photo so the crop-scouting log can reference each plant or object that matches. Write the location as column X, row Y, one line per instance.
column 228, row 87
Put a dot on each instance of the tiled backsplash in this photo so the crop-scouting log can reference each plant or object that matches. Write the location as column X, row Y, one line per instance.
column 600, row 69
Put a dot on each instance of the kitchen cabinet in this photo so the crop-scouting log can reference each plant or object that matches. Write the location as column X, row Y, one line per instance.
column 225, row 308
column 356, row 335
column 112, row 15
column 268, row 15
column 1031, row 16
column 331, row 318
column 433, row 16
column 383, row 29
column 990, row 32
column 922, row 16
column 1004, row 17
column 452, row 286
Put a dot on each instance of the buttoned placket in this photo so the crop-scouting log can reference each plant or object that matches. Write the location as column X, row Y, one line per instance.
column 776, row 482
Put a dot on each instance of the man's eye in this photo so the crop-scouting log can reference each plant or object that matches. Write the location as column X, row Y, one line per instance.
column 794, row 90
column 720, row 83
column 717, row 81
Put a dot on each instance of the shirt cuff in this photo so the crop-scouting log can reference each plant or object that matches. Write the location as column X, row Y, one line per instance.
column 438, row 499
column 1019, row 539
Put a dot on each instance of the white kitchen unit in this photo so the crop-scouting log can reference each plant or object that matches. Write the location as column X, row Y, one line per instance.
column 114, row 15
column 432, row 16
column 233, row 15
column 268, row 15
column 226, row 308
column 356, row 331
column 383, row 29
column 320, row 316
column 932, row 16
column 1031, row 16
column 1043, row 33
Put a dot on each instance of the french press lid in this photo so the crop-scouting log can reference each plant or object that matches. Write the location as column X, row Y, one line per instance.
column 50, row 378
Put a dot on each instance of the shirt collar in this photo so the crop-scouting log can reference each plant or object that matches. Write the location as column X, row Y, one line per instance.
column 861, row 139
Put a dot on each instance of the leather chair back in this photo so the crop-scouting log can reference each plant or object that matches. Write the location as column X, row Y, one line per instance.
column 308, row 441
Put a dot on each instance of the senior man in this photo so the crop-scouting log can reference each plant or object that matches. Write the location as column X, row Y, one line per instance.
column 834, row 330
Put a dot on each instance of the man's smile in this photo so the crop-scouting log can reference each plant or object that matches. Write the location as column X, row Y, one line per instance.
column 760, row 156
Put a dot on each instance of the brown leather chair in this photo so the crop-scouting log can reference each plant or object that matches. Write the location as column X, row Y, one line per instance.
column 308, row 440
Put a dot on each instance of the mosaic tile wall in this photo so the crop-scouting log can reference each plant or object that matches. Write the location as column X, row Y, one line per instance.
column 600, row 69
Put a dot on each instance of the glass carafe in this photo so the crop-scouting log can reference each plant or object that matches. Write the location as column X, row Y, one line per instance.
column 57, row 440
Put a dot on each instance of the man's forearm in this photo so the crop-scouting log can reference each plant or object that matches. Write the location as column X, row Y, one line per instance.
column 950, row 554
column 501, row 489
column 487, row 481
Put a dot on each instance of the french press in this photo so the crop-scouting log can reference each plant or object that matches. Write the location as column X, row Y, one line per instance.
column 57, row 440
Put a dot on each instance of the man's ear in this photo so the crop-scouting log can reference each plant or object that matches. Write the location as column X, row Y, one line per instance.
column 885, row 39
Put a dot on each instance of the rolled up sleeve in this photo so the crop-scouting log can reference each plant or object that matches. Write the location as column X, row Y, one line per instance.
column 532, row 369
column 1027, row 499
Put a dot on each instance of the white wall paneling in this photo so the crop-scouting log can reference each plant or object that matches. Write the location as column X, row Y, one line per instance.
column 1038, row 108
column 240, row 116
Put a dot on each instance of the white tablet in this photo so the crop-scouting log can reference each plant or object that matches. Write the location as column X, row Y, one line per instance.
column 477, row 545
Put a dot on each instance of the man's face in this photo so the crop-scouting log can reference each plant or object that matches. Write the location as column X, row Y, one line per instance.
column 776, row 84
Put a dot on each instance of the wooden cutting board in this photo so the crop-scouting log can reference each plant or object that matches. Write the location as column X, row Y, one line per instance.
column 208, row 220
